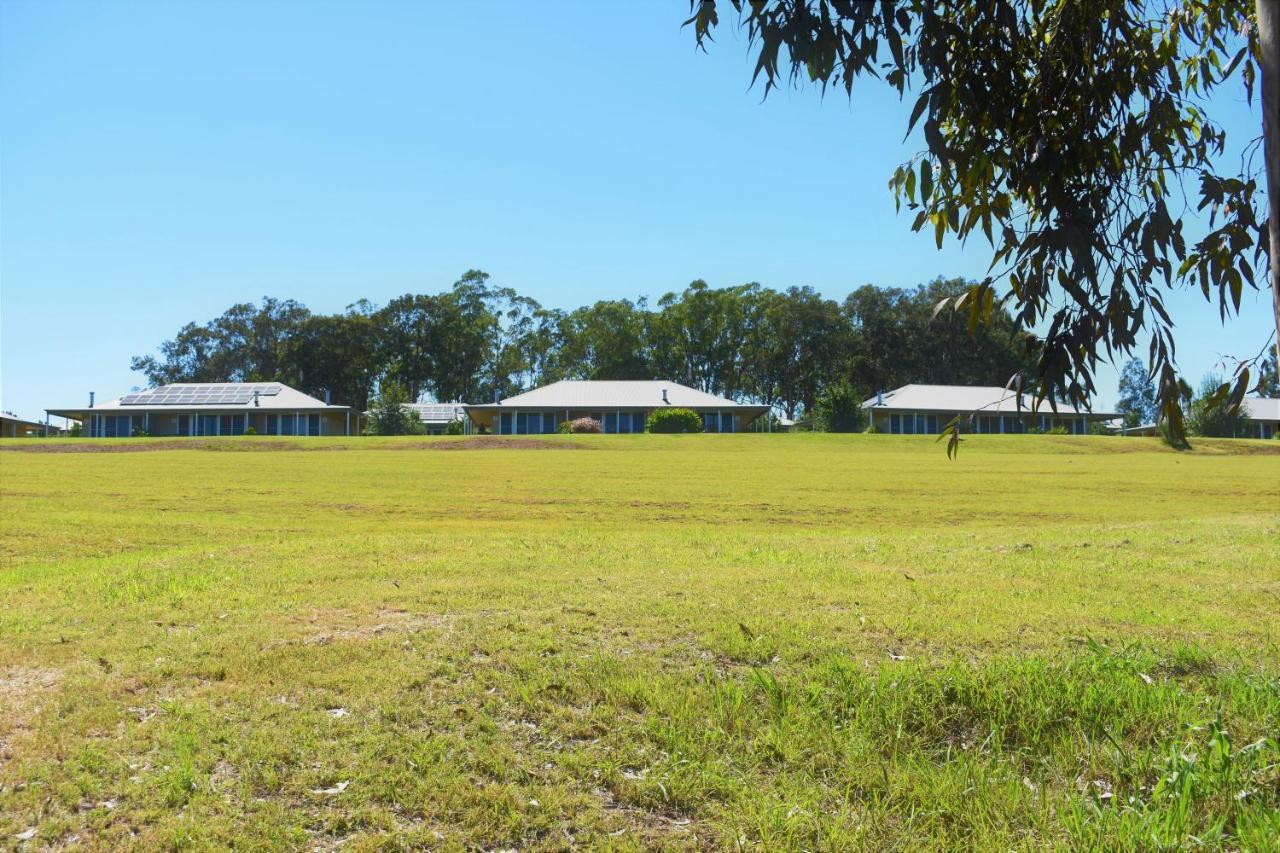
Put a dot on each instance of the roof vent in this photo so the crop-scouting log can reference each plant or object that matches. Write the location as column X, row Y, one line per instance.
column 664, row 397
column 91, row 399
column 255, row 399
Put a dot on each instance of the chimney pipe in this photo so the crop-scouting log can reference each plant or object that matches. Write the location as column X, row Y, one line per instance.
column 664, row 397
column 91, row 399
column 255, row 400
column 327, row 397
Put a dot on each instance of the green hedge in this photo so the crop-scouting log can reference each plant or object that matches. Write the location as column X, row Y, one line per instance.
column 673, row 420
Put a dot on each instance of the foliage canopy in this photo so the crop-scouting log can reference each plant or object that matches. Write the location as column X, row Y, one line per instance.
column 1062, row 133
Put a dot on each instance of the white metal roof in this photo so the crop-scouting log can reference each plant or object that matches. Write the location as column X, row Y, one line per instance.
column 614, row 394
column 1261, row 408
column 207, row 397
column 964, row 398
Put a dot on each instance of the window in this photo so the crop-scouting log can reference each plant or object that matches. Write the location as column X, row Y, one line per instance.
column 548, row 422
column 932, row 423
column 711, row 421
column 909, row 424
column 637, row 421
column 313, row 424
column 611, row 422
column 726, row 422
column 117, row 426
column 208, row 424
column 273, row 425
column 895, row 424
column 286, row 424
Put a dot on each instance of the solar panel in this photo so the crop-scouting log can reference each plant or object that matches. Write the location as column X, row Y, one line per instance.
column 202, row 395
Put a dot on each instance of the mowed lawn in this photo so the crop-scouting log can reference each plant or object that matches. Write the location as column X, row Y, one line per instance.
column 775, row 642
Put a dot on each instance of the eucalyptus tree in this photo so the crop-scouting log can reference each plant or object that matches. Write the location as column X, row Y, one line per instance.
column 1062, row 133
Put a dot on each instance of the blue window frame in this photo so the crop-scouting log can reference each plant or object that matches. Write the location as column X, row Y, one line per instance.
column 610, row 421
column 548, row 422
column 313, row 424
column 286, row 424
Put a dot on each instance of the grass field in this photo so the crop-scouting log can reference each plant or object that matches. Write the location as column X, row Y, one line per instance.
column 777, row 642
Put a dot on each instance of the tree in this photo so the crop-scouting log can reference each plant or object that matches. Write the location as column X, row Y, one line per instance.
column 247, row 343
column 1137, row 402
column 607, row 340
column 1209, row 415
column 839, row 409
column 389, row 415
column 337, row 353
column 1059, row 131
column 1269, row 383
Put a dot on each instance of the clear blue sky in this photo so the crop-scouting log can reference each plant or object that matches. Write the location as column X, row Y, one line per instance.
column 162, row 161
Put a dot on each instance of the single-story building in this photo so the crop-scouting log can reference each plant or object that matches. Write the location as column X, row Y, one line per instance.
column 213, row 408
column 990, row 409
column 1261, row 416
column 12, row 426
column 436, row 417
column 619, row 406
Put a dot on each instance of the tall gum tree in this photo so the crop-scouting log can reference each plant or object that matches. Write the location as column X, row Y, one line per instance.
column 1062, row 132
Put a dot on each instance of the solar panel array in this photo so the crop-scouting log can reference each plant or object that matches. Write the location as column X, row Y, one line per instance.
column 437, row 411
column 201, row 395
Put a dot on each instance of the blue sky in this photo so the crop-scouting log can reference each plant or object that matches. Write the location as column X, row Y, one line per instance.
column 162, row 161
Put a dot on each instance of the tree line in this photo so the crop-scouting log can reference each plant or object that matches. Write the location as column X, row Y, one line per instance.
column 476, row 342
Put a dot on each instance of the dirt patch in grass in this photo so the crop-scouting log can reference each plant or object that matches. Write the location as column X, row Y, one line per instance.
column 329, row 626
column 21, row 691
column 488, row 442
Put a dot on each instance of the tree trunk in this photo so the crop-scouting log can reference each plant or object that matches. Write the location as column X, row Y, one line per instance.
column 1269, row 44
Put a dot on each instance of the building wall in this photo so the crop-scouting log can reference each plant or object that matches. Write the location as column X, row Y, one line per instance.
column 113, row 423
column 1262, row 429
column 543, row 421
column 931, row 423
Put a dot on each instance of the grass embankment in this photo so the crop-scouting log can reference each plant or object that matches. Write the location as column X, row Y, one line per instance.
column 674, row 641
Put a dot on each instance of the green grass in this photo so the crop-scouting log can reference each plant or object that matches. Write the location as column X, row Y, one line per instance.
column 775, row 642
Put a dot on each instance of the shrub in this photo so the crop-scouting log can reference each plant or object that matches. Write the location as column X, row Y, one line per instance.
column 1057, row 430
column 673, row 420
column 1099, row 428
column 76, row 430
column 453, row 428
column 580, row 425
column 249, row 430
